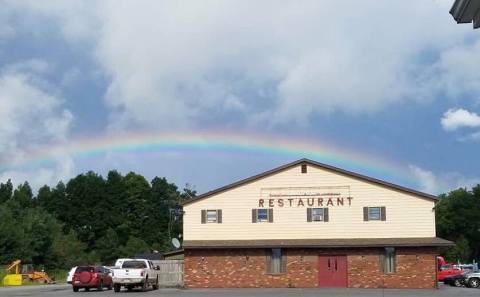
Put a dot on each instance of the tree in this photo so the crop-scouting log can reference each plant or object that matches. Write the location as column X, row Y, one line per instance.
column 134, row 246
column 88, row 220
column 136, row 207
column 108, row 247
column 85, row 209
column 165, row 196
column 457, row 216
column 23, row 195
column 6, row 191
column 68, row 251
column 115, row 198
column 11, row 235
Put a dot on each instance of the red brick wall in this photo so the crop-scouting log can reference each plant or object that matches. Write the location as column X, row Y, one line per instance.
column 243, row 268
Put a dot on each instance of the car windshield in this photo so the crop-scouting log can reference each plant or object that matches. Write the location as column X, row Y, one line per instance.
column 446, row 267
column 134, row 264
column 84, row 268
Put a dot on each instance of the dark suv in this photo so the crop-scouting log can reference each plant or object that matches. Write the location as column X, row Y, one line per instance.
column 91, row 277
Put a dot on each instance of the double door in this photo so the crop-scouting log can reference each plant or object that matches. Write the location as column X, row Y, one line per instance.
column 332, row 271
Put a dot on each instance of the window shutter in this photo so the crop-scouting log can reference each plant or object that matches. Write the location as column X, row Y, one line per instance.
column 365, row 213
column 325, row 214
column 219, row 216
column 309, row 214
column 284, row 261
column 381, row 261
column 383, row 211
column 268, row 260
column 204, row 216
column 270, row 215
column 254, row 215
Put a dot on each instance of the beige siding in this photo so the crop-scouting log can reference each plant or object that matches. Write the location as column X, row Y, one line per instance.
column 407, row 215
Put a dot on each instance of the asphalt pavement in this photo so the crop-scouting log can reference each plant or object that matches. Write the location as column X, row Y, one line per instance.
column 66, row 291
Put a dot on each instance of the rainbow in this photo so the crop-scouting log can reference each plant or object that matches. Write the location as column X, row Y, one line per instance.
column 291, row 147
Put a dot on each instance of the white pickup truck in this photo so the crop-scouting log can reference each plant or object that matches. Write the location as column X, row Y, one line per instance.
column 131, row 273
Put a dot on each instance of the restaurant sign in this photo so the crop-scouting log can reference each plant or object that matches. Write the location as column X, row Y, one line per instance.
column 305, row 197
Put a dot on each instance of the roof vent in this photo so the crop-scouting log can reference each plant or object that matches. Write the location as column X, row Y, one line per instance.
column 304, row 168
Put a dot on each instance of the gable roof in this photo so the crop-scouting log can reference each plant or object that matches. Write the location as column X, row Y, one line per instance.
column 315, row 164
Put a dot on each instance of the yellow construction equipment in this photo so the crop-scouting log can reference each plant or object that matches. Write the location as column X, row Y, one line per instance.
column 13, row 279
column 15, row 264
column 17, row 273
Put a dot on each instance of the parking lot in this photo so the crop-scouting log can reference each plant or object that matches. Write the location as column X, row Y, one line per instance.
column 65, row 291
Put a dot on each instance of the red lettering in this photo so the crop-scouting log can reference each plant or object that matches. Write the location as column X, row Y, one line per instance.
column 330, row 202
column 349, row 200
column 260, row 203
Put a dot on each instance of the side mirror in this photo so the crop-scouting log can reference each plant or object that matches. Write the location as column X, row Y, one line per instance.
column 157, row 267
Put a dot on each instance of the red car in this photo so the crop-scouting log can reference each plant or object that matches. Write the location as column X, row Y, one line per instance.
column 446, row 269
column 87, row 277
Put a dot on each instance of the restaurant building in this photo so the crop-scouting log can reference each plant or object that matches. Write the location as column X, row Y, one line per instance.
column 307, row 224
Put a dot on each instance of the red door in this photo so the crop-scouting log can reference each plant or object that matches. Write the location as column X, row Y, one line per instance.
column 332, row 271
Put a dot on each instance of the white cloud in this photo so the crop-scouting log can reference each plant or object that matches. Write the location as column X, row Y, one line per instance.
column 437, row 183
column 428, row 181
column 456, row 72
column 454, row 119
column 31, row 116
column 175, row 63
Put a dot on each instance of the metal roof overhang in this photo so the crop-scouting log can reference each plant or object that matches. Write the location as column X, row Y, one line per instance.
column 466, row 11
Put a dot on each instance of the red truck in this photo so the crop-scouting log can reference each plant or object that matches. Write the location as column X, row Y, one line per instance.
column 446, row 269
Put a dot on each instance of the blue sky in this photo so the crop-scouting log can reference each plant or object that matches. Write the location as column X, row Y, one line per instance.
column 397, row 79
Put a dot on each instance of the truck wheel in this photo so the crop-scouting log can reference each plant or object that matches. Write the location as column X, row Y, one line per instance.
column 474, row 282
column 457, row 283
column 155, row 285
column 100, row 286
column 129, row 288
column 145, row 285
column 117, row 288
column 75, row 289
column 87, row 289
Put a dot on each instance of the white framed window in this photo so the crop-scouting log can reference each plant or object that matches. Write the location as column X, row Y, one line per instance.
column 212, row 216
column 374, row 213
column 262, row 215
column 276, row 261
column 389, row 265
column 317, row 214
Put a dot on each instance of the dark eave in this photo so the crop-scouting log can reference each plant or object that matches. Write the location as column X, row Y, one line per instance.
column 466, row 11
column 316, row 164
column 319, row 243
column 173, row 253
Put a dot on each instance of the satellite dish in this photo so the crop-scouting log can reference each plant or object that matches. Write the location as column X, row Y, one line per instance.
column 176, row 243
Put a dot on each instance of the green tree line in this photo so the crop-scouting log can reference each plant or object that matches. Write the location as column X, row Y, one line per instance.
column 458, row 219
column 93, row 219
column 90, row 219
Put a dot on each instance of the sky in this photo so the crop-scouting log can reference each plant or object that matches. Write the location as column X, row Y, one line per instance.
column 205, row 93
